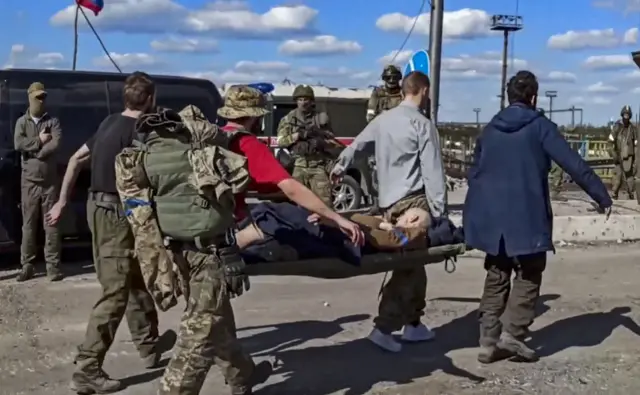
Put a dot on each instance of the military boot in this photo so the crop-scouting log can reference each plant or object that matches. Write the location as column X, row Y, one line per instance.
column 614, row 196
column 261, row 373
column 27, row 273
column 517, row 347
column 489, row 351
column 54, row 273
column 631, row 196
column 89, row 378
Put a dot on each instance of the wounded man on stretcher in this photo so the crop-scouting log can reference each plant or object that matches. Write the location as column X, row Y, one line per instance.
column 277, row 232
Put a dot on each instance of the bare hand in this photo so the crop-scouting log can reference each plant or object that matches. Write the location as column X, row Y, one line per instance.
column 53, row 216
column 313, row 219
column 607, row 213
column 352, row 230
column 44, row 136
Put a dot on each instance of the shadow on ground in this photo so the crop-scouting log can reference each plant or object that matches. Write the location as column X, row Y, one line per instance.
column 357, row 366
column 75, row 261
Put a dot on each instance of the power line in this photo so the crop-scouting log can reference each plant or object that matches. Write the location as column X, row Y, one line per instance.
column 413, row 26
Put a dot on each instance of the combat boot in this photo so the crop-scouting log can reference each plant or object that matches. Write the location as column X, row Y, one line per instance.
column 54, row 273
column 26, row 273
column 261, row 373
column 90, row 379
column 491, row 354
column 631, row 196
column 517, row 347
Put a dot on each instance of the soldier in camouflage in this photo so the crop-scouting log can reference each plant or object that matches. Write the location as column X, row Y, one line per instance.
column 308, row 134
column 623, row 140
column 388, row 96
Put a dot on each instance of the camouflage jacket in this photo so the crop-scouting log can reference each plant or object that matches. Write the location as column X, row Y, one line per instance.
column 382, row 100
column 623, row 141
column 165, row 273
column 295, row 122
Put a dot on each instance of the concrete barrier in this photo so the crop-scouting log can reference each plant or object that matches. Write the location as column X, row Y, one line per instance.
column 590, row 228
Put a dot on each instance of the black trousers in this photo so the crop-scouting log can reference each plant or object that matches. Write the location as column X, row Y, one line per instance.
column 509, row 305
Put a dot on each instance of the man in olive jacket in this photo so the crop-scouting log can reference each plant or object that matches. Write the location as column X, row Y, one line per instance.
column 37, row 138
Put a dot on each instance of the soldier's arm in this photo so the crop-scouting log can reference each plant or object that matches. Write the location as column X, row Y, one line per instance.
column 325, row 123
column 52, row 145
column 77, row 161
column 286, row 136
column 372, row 105
column 21, row 142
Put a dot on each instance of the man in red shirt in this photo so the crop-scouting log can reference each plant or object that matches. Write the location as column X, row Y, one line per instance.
column 243, row 109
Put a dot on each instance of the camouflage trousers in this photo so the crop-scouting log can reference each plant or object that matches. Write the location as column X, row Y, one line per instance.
column 36, row 200
column 317, row 179
column 207, row 334
column 506, row 304
column 556, row 178
column 124, row 293
column 404, row 296
column 621, row 177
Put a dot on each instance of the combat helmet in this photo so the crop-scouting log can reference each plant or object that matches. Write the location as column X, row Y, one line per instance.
column 391, row 71
column 626, row 110
column 303, row 91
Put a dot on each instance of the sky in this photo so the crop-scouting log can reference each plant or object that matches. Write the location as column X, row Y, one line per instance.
column 579, row 48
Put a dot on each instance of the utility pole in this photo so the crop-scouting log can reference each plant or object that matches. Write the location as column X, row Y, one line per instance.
column 435, row 55
column 477, row 111
column 551, row 95
column 505, row 24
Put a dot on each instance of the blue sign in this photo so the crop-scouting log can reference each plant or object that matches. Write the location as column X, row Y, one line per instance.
column 264, row 87
column 419, row 62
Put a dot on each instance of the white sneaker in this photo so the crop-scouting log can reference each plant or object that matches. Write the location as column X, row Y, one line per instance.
column 420, row 333
column 384, row 341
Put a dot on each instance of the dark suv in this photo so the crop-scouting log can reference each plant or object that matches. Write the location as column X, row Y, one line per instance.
column 357, row 188
column 81, row 100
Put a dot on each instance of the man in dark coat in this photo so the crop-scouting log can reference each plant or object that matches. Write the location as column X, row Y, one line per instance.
column 508, row 215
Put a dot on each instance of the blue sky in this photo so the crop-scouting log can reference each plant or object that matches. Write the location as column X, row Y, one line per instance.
column 578, row 47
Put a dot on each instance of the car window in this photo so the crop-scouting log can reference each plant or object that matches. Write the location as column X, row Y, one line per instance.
column 174, row 95
column 78, row 103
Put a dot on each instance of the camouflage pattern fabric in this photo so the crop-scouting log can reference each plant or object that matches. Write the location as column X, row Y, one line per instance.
column 218, row 174
column 556, row 178
column 296, row 121
column 382, row 99
column 207, row 334
column 316, row 178
column 404, row 296
column 243, row 101
column 623, row 150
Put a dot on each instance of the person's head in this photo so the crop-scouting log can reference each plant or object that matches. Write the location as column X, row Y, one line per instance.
column 523, row 89
column 244, row 106
column 37, row 97
column 304, row 97
column 626, row 114
column 139, row 93
column 391, row 76
column 415, row 88
column 414, row 218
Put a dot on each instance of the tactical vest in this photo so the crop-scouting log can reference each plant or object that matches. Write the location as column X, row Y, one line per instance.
column 316, row 121
column 387, row 100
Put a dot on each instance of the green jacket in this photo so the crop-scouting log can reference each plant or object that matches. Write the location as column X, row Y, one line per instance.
column 39, row 162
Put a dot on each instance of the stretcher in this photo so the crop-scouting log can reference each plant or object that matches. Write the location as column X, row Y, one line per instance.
column 335, row 268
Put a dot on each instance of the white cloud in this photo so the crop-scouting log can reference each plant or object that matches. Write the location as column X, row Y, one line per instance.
column 248, row 71
column 319, row 46
column 401, row 58
column 128, row 61
column 592, row 39
column 602, row 88
column 608, row 62
column 600, row 100
column 559, row 76
column 184, row 44
column 225, row 18
column 631, row 36
column 247, row 66
column 22, row 57
column 483, row 65
column 461, row 24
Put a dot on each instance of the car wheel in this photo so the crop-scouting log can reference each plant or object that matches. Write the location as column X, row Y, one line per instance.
column 347, row 195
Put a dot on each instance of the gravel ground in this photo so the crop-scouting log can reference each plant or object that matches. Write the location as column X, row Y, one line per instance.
column 586, row 334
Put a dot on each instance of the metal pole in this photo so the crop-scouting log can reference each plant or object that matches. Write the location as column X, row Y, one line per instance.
column 435, row 56
column 550, row 108
column 573, row 116
column 503, row 85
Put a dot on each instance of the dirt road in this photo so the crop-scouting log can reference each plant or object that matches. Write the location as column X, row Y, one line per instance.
column 586, row 333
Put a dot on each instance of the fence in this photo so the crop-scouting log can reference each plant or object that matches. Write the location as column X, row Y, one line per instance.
column 458, row 153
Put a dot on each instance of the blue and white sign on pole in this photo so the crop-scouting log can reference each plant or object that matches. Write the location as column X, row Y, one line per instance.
column 419, row 62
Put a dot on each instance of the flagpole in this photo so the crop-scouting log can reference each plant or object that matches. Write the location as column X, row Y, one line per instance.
column 75, row 37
